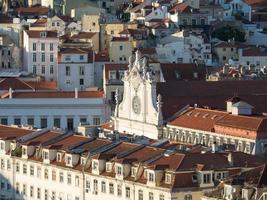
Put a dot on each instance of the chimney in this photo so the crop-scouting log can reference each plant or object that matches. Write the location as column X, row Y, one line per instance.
column 230, row 159
column 76, row 93
column 10, row 93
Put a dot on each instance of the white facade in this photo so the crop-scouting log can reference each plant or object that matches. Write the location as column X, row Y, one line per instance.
column 60, row 112
column 240, row 7
column 139, row 113
column 40, row 53
column 56, row 24
column 75, row 70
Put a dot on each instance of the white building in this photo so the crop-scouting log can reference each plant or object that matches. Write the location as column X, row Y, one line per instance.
column 40, row 53
column 253, row 56
column 64, row 110
column 50, row 165
column 75, row 69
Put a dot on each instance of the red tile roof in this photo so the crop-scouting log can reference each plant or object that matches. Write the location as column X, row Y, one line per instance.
column 36, row 141
column 120, row 39
column 114, row 67
column 102, row 56
column 13, row 133
column 33, row 10
column 37, row 34
column 83, row 35
column 15, row 84
column 56, row 94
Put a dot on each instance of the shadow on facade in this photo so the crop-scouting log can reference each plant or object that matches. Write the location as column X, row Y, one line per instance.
column 8, row 190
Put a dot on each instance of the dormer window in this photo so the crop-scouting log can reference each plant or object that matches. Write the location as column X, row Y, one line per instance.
column 45, row 155
column 24, row 151
column 151, row 177
column 109, row 167
column 82, row 161
column 133, row 171
column 168, row 178
column 95, row 165
column 59, row 157
column 68, row 160
column 206, row 178
column 119, row 170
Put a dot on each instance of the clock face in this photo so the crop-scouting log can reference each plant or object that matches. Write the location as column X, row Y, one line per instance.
column 136, row 105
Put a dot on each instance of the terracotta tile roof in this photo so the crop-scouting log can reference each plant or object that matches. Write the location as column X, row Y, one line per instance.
column 182, row 71
column 120, row 39
column 108, row 126
column 42, row 138
column 252, row 52
column 148, row 51
column 66, row 18
column 102, row 56
column 140, row 155
column 66, row 143
column 13, row 133
column 256, row 2
column 43, row 85
column 212, row 94
column 41, row 22
column 198, row 118
column 83, row 35
column 15, row 84
column 37, row 34
column 93, row 144
column 57, row 94
column 33, row 10
column 180, row 7
column 184, row 180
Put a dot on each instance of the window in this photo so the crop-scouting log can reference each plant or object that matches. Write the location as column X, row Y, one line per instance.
column 103, row 186
column 53, row 196
column 119, row 170
column 24, row 151
column 46, row 174
column 51, row 46
column 161, row 197
column 77, row 181
column 206, row 178
column 2, row 164
column 121, row 47
column 39, row 172
column 24, row 168
column 34, row 57
column 69, row 179
column 188, row 197
column 57, row 123
column 30, row 121
column 150, row 177
column 93, row 23
column 150, row 196
column 8, row 165
column 194, row 22
column 58, row 24
column 87, row 185
column 17, row 188
column 38, row 193
column 42, row 46
column 4, row 121
column 32, row 170
column 31, row 191
column 111, row 188
column 51, row 69
column 81, row 81
column 54, row 175
column 168, row 178
column 96, row 121
column 17, row 167
column 81, row 57
column 34, row 46
column 119, row 190
column 67, row 58
column 17, row 121
column 43, row 57
column 2, row 146
column 67, row 70
column 68, row 160
column 83, row 120
column 127, row 192
column 43, row 122
column 140, row 194
column 34, row 69
column 43, row 69
column 24, row 190
column 81, row 70
column 61, row 177
column 51, row 57
column 46, row 195
column 95, row 185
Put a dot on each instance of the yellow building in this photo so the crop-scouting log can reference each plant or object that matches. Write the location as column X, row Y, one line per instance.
column 120, row 49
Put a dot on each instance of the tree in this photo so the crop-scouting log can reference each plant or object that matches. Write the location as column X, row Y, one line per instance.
column 228, row 32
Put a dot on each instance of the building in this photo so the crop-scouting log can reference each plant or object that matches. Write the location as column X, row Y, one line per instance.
column 48, row 109
column 121, row 48
column 75, row 69
column 253, row 56
column 40, row 51
column 48, row 164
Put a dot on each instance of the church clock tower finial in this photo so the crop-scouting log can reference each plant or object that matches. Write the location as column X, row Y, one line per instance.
column 116, row 113
column 159, row 109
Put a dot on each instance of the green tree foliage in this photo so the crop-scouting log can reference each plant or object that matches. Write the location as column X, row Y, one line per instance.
column 228, row 32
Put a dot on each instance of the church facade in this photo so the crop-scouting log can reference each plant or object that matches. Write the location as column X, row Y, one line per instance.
column 140, row 110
